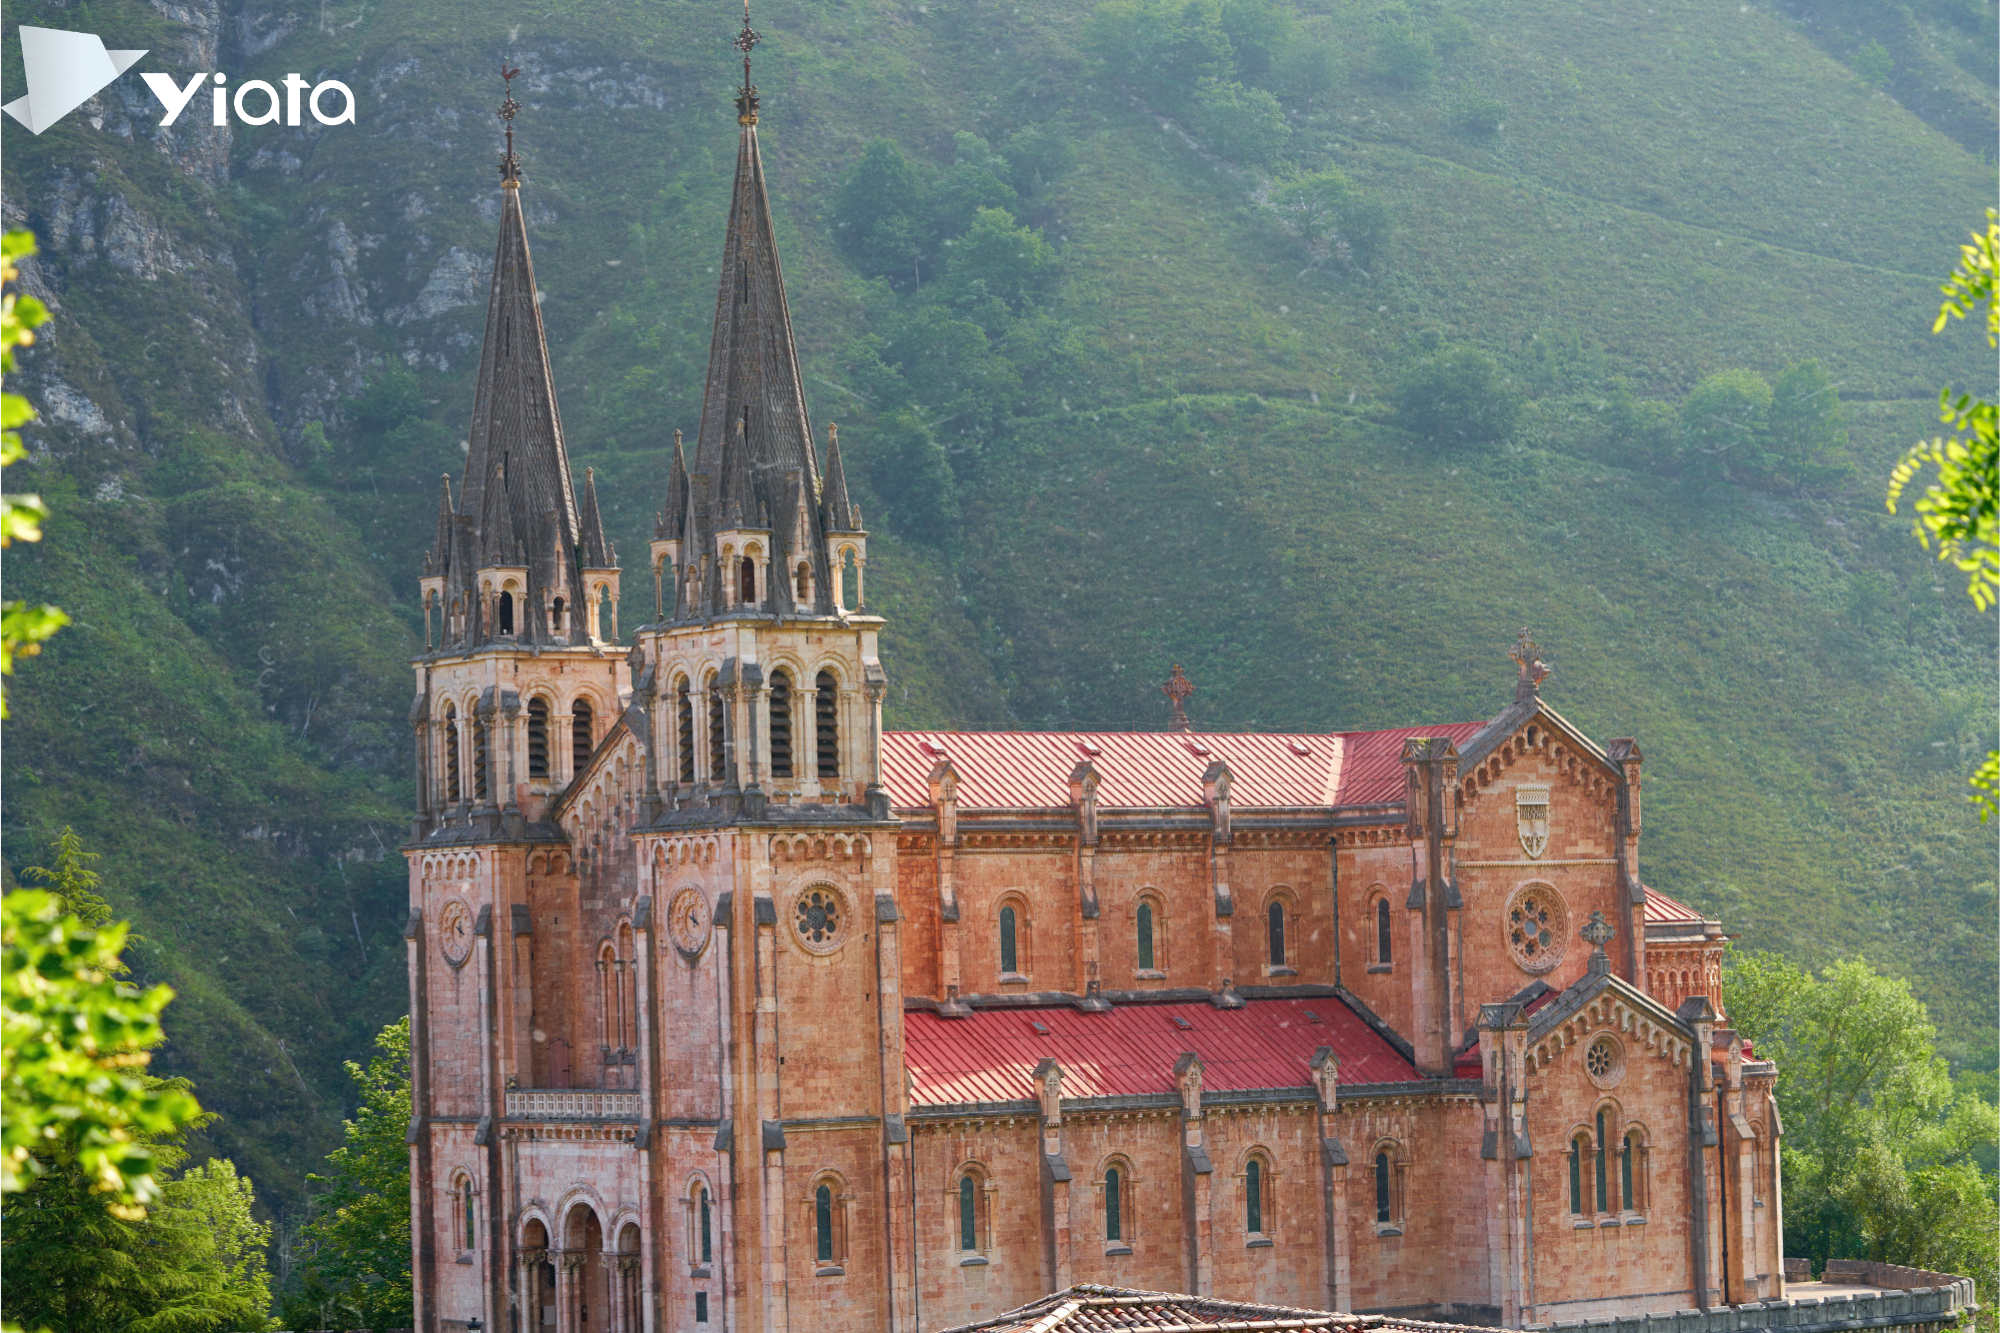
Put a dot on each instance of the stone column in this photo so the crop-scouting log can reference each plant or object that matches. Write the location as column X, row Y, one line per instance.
column 1333, row 1178
column 1197, row 1179
column 1059, row 1263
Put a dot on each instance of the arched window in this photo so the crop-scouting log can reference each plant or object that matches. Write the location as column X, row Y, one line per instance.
column 451, row 741
column 538, row 737
column 468, row 1213
column 506, row 613
column 826, row 726
column 1276, row 930
column 746, row 581
column 1603, row 1192
column 1626, row 1192
column 1010, row 952
column 1383, row 936
column 1382, row 1190
column 478, row 758
column 1114, row 1204
column 1579, row 1148
column 781, row 725
column 684, row 718
column 805, row 582
column 823, row 1223
column 707, row 1223
column 968, row 1212
column 1253, row 1197
column 1146, row 937
column 556, row 616
column 718, row 761
column 581, row 742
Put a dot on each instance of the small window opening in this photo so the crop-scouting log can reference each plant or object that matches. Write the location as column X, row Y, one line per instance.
column 1114, row 1210
column 506, row 613
column 1382, row 932
column 538, row 738
column 701, row 1307
column 718, row 766
column 1576, row 1153
column 580, row 739
column 1625, row 1156
column 1145, row 937
column 451, row 743
column 1277, row 934
column 968, row 1212
column 707, row 1228
column 1253, row 1197
column 684, row 718
column 479, row 759
column 746, row 581
column 470, row 1214
column 1603, row 1193
column 805, row 583
column 823, row 1223
column 826, row 726
column 1382, row 1187
column 556, row 617
column 781, row 725
column 848, row 582
column 1010, row 957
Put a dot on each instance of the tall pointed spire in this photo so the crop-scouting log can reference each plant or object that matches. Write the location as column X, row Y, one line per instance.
column 596, row 551
column 672, row 519
column 496, row 525
column 514, row 418
column 438, row 559
column 837, row 509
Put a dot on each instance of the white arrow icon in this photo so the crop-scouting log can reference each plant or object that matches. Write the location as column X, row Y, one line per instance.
column 65, row 69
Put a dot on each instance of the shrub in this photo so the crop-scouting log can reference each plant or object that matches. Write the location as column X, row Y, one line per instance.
column 1451, row 33
column 1873, row 64
column 1308, row 69
column 1405, row 55
column 911, row 471
column 1325, row 207
column 1242, row 124
column 1457, row 396
column 876, row 213
column 1258, row 31
column 1010, row 261
column 1723, row 423
column 1037, row 156
column 1477, row 113
column 1808, row 430
column 1160, row 49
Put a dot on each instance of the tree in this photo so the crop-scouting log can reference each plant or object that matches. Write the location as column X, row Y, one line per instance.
column 1880, row 1148
column 77, row 1041
column 73, row 881
column 193, row 1264
column 1457, row 396
column 1309, row 68
column 1010, row 260
column 1873, row 65
column 1259, row 32
column 1405, row 53
column 1723, row 425
column 358, row 1240
column 1242, row 124
column 1326, row 208
column 23, row 628
column 1808, row 430
column 877, row 213
column 1960, row 511
column 912, row 471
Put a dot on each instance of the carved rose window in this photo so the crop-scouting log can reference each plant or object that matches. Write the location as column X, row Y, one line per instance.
column 1537, row 927
column 1604, row 1061
column 818, row 916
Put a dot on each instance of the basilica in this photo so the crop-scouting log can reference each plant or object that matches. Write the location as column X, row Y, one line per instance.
column 732, row 1010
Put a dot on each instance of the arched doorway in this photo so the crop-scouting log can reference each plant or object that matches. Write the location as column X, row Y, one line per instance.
column 538, row 1279
column 625, row 1280
column 585, row 1293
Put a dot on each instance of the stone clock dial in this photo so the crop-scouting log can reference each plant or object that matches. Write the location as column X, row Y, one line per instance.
column 687, row 921
column 455, row 931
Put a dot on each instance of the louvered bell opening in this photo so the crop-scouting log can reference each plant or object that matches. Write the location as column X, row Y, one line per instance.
column 538, row 738
column 580, row 742
column 781, row 725
column 685, row 722
column 717, row 768
column 826, row 727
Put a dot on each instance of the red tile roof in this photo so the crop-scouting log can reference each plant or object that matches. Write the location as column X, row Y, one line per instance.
column 991, row 1055
column 1661, row 908
column 1090, row 1308
column 1014, row 770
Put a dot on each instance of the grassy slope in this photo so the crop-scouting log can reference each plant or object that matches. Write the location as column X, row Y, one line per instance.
column 1657, row 195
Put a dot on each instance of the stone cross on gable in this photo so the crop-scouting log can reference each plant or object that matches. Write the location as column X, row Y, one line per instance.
column 1534, row 671
column 1178, row 688
column 1597, row 932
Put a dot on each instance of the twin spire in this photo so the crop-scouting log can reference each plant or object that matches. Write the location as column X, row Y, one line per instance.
column 754, row 467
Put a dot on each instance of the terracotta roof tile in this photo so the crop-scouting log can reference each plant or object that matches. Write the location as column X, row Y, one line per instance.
column 1130, row 1051
column 1663, row 909
column 1090, row 1308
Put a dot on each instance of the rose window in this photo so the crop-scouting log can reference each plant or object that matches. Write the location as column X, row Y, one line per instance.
column 1601, row 1062
column 1537, row 927
column 818, row 913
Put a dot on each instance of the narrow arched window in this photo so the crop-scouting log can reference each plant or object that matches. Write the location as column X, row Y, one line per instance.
column 506, row 613
column 1382, row 1187
column 1382, row 934
column 1114, row 1205
column 1145, row 937
column 1625, row 1155
column 451, row 741
column 1253, row 1197
column 581, row 742
column 1277, row 934
column 746, row 581
column 556, row 616
column 805, row 583
column 1576, row 1150
column 707, row 1228
column 538, row 738
column 684, row 719
column 826, row 725
column 781, row 725
column 469, row 1213
column 478, row 758
column 968, row 1212
column 823, row 1223
column 718, row 762
column 1010, row 953
column 1603, row 1200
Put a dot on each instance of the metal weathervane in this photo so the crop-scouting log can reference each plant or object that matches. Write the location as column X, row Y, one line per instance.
column 510, row 165
column 746, row 96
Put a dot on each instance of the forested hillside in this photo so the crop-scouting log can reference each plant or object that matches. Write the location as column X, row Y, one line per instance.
column 1317, row 347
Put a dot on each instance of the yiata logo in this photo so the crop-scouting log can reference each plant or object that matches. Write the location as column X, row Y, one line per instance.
column 67, row 69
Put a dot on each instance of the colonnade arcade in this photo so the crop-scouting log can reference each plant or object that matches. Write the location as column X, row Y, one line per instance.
column 581, row 1286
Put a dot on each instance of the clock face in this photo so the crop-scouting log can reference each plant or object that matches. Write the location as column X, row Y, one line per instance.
column 687, row 921
column 455, row 931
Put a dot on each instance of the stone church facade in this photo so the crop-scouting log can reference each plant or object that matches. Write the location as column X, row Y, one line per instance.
column 731, row 1010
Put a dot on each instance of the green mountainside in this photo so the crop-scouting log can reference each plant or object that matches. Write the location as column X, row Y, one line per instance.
column 1155, row 426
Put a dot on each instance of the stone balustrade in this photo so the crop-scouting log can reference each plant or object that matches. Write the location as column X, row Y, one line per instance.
column 1924, row 1309
column 571, row 1104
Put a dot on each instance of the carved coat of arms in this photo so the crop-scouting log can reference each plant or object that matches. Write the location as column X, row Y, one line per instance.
column 1531, row 809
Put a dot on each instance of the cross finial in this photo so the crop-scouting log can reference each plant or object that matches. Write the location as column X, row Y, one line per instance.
column 1533, row 670
column 746, row 96
column 1178, row 688
column 510, row 166
column 1597, row 932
